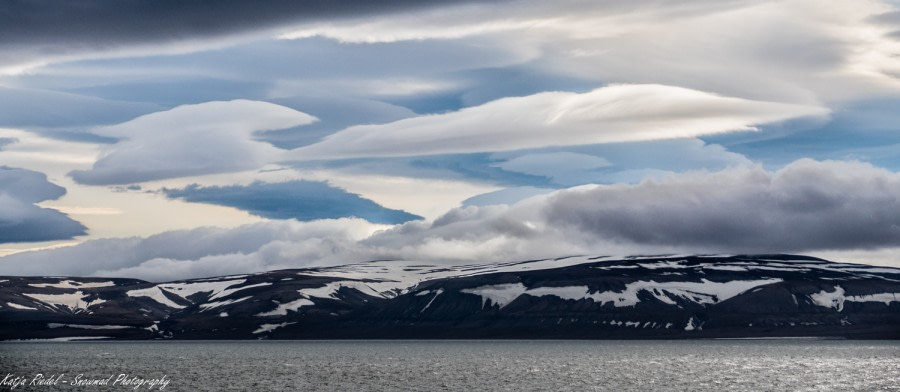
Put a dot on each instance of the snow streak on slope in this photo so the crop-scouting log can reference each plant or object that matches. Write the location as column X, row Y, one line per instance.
column 71, row 284
column 394, row 277
column 282, row 309
column 155, row 293
column 77, row 301
column 835, row 299
column 498, row 294
column 704, row 292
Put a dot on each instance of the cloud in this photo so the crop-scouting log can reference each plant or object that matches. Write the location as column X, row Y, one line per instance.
column 40, row 32
column 864, row 130
column 506, row 196
column 199, row 252
column 23, row 107
column 808, row 206
column 301, row 200
column 624, row 162
column 549, row 169
column 21, row 220
column 796, row 50
column 207, row 138
column 618, row 113
column 5, row 141
column 562, row 167
column 335, row 110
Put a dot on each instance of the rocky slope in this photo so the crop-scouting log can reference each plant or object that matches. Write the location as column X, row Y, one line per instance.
column 577, row 297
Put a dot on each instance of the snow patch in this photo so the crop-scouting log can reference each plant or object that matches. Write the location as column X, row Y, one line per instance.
column 188, row 289
column 690, row 325
column 875, row 270
column 71, row 284
column 271, row 327
column 666, row 264
column 836, row 298
column 605, row 267
column 771, row 268
column 155, row 293
column 393, row 277
column 724, row 267
column 436, row 294
column 567, row 292
column 84, row 326
column 499, row 294
column 330, row 290
column 282, row 309
column 73, row 301
column 22, row 307
column 703, row 292
column 227, row 292
column 212, row 305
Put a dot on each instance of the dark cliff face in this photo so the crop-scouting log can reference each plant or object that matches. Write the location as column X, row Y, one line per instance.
column 572, row 298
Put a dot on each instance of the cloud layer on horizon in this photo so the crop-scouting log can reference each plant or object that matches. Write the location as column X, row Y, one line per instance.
column 807, row 206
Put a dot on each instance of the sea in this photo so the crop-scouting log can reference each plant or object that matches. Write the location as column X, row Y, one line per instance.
column 503, row 365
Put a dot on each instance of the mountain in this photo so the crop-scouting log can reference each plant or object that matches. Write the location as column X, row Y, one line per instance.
column 575, row 297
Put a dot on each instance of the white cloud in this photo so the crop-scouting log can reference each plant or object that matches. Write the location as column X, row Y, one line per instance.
column 506, row 196
column 212, row 137
column 562, row 167
column 815, row 207
column 137, row 213
column 199, row 252
column 427, row 197
column 21, row 220
column 25, row 107
column 805, row 206
column 621, row 162
column 617, row 113
column 795, row 50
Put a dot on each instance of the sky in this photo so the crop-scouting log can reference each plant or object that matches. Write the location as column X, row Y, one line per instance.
column 186, row 139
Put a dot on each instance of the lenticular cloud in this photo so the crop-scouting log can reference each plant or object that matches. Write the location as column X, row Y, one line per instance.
column 619, row 113
column 207, row 138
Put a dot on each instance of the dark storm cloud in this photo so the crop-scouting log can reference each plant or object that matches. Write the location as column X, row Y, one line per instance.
column 301, row 200
column 21, row 220
column 33, row 28
column 808, row 205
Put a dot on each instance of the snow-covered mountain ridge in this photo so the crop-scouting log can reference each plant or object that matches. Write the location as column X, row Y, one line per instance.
column 574, row 297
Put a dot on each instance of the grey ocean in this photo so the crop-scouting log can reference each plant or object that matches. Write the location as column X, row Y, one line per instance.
column 731, row 365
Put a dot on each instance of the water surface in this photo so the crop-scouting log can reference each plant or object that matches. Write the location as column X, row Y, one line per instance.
column 733, row 365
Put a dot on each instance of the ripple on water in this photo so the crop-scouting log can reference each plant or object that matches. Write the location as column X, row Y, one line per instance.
column 476, row 365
